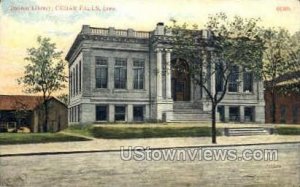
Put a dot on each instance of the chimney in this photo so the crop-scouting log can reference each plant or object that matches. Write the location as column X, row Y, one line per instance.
column 160, row 29
column 204, row 33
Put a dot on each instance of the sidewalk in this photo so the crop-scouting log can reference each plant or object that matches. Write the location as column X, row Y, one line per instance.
column 103, row 145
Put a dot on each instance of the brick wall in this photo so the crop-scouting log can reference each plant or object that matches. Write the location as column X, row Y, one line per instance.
column 283, row 102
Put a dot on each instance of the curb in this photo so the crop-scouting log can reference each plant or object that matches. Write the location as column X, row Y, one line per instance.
column 158, row 148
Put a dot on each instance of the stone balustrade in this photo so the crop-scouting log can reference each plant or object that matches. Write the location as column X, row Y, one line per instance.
column 130, row 33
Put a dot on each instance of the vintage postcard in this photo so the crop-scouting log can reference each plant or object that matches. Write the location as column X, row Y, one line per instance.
column 149, row 93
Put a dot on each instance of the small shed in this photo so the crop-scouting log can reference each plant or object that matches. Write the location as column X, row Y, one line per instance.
column 18, row 111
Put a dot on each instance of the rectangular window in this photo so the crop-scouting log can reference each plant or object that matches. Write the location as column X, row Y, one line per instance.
column 101, row 113
column 234, row 113
column 138, row 74
column 101, row 72
column 248, row 81
column 233, row 79
column 80, row 69
column 120, row 73
column 70, row 114
column 138, row 113
column 249, row 114
column 120, row 112
column 79, row 111
column 282, row 113
column 70, row 84
column 74, row 114
column 296, row 113
column 74, row 85
column 219, row 77
column 221, row 113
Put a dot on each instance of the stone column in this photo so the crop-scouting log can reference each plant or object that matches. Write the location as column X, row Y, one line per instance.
column 226, row 113
column 259, row 89
column 129, row 113
column 168, row 74
column 110, row 81
column 212, row 79
column 158, row 73
column 204, row 72
column 242, row 114
column 111, row 113
column 240, row 80
column 212, row 73
column 129, row 74
column 147, row 112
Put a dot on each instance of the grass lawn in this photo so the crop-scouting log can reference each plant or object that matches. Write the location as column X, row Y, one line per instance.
column 82, row 130
column 288, row 130
column 25, row 138
column 149, row 130
column 140, row 131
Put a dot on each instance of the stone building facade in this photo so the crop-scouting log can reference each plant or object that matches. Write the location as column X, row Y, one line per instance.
column 126, row 75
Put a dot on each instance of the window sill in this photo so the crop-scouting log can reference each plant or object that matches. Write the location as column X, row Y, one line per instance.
column 139, row 90
column 250, row 93
column 101, row 89
column 233, row 93
column 120, row 90
column 104, row 121
column 240, row 93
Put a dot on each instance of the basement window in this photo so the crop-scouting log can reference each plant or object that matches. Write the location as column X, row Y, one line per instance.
column 120, row 113
column 282, row 114
column 101, row 113
column 138, row 113
column 234, row 114
column 249, row 114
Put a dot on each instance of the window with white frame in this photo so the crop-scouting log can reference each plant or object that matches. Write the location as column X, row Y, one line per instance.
column 120, row 73
column 247, row 81
column 219, row 77
column 101, row 113
column 120, row 112
column 234, row 113
column 249, row 114
column 101, row 72
column 233, row 79
column 138, row 74
column 138, row 113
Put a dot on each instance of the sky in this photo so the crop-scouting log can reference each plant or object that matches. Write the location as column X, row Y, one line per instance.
column 21, row 22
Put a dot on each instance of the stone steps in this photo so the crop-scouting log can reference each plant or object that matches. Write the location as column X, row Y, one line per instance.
column 189, row 111
column 247, row 131
column 186, row 105
column 184, row 116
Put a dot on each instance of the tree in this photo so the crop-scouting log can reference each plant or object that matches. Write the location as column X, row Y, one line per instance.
column 219, row 53
column 64, row 98
column 281, row 58
column 44, row 73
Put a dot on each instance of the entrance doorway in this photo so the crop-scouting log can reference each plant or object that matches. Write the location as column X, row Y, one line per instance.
column 180, row 81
